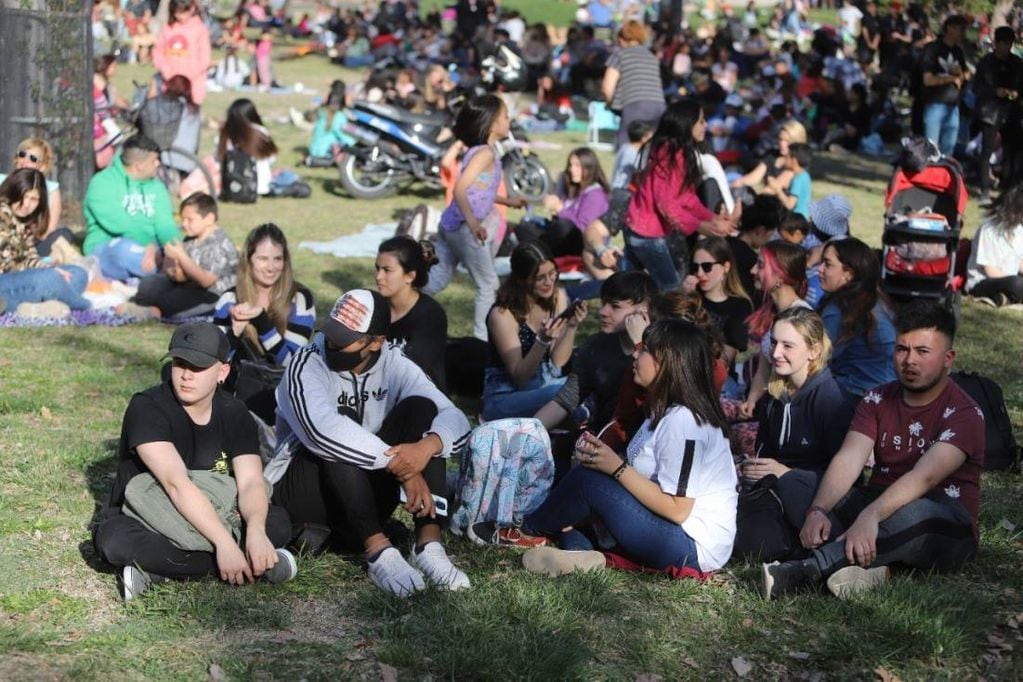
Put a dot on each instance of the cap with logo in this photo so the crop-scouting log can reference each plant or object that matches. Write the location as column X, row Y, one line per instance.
column 358, row 313
column 200, row 344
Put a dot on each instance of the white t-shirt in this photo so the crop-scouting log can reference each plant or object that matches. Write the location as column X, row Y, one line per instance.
column 713, row 170
column 693, row 461
column 850, row 16
column 1002, row 249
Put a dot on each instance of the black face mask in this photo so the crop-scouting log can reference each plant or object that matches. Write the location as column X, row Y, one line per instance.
column 340, row 361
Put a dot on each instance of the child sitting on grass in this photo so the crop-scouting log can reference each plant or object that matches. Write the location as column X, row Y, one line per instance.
column 195, row 272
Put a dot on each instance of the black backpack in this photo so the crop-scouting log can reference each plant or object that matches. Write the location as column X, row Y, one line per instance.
column 761, row 532
column 1000, row 451
column 238, row 178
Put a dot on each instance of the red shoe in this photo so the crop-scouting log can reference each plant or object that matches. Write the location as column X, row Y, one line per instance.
column 487, row 533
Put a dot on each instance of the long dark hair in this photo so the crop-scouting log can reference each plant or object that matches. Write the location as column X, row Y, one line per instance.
column 593, row 174
column 686, row 374
column 673, row 139
column 516, row 291
column 240, row 129
column 855, row 300
column 412, row 256
column 14, row 188
column 476, row 118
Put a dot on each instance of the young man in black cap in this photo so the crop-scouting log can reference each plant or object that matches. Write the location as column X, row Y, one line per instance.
column 357, row 423
column 173, row 506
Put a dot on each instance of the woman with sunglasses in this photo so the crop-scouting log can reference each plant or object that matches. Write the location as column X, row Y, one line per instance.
column 35, row 152
column 419, row 325
column 531, row 331
column 670, row 501
column 24, row 278
column 715, row 278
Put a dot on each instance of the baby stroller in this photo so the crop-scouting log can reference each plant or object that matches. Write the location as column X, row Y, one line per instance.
column 924, row 208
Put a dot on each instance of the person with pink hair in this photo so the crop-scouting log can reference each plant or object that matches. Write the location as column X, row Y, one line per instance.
column 183, row 47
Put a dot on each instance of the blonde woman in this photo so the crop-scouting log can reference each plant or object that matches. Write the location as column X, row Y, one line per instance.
column 772, row 171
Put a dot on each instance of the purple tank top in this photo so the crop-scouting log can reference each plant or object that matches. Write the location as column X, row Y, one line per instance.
column 481, row 194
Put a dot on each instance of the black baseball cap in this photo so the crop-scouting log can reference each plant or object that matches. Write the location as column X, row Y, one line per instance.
column 200, row 344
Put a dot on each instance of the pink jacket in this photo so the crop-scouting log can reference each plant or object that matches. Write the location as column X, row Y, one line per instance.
column 184, row 49
column 659, row 204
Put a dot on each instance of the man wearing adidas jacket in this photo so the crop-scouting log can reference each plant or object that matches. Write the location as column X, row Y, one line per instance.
column 358, row 423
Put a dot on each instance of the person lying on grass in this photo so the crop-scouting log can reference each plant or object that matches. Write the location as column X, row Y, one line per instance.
column 358, row 423
column 189, row 481
column 670, row 501
column 919, row 507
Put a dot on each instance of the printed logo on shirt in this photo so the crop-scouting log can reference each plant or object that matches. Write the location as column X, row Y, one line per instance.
column 346, row 400
column 952, row 491
column 137, row 203
column 873, row 397
column 380, row 393
column 220, row 466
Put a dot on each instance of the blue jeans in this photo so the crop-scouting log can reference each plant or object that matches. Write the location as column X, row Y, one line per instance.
column 653, row 255
column 502, row 399
column 585, row 495
column 45, row 284
column 121, row 259
column 941, row 124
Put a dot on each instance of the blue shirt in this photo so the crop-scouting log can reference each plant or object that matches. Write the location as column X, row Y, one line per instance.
column 800, row 189
column 857, row 365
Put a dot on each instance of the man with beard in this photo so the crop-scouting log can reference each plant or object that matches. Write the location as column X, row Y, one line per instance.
column 919, row 507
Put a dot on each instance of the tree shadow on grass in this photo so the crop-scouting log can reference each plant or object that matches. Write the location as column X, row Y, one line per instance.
column 852, row 171
column 100, row 476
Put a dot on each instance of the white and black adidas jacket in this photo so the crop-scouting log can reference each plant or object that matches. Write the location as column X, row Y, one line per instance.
column 310, row 394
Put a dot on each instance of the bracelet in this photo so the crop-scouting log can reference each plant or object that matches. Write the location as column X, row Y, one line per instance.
column 617, row 473
column 545, row 344
column 817, row 509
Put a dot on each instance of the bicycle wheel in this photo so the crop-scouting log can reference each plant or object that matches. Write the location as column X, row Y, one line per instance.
column 207, row 177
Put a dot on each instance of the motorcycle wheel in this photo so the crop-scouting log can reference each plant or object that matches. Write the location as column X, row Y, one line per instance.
column 526, row 176
column 366, row 178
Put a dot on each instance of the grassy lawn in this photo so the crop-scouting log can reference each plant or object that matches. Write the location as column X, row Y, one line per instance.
column 61, row 616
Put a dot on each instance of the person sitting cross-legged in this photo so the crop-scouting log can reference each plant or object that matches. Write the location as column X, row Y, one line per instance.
column 357, row 422
column 189, row 486
column 919, row 507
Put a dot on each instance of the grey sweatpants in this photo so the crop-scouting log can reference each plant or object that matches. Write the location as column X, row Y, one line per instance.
column 460, row 246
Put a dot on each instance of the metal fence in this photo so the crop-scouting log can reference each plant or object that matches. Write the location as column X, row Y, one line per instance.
column 46, row 88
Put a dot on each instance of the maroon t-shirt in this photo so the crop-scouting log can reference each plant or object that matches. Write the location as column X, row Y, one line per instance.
column 903, row 433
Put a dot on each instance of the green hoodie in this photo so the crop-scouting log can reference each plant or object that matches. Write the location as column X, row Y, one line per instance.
column 116, row 205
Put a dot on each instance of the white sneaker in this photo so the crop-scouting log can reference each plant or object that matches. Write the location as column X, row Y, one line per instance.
column 135, row 581
column 284, row 570
column 852, row 580
column 437, row 568
column 391, row 573
column 554, row 562
column 56, row 310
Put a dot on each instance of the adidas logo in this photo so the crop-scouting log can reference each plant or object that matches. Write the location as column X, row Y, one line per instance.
column 380, row 393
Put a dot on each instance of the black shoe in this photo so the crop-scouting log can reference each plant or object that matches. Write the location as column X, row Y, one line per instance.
column 782, row 578
column 312, row 539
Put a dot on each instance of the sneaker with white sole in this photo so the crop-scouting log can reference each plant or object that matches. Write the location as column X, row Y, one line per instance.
column 284, row 570
column 135, row 581
column 391, row 573
column 554, row 562
column 853, row 580
column 489, row 533
column 437, row 568
column 778, row 579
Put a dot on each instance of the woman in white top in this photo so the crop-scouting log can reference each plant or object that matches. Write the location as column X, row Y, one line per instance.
column 670, row 503
column 995, row 271
column 244, row 130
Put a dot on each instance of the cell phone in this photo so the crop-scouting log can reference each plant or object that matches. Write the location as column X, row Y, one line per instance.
column 570, row 310
column 440, row 503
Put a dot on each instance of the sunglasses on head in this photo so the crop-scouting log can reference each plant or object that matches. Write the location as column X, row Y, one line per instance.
column 28, row 155
column 706, row 266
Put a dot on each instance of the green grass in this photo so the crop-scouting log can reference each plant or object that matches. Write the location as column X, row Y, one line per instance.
column 63, row 392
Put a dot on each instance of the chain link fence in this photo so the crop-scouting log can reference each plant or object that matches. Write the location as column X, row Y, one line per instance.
column 46, row 88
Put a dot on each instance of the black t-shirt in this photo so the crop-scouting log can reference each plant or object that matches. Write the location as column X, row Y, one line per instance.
column 938, row 58
column 745, row 259
column 155, row 415
column 870, row 24
column 597, row 368
column 730, row 316
column 423, row 334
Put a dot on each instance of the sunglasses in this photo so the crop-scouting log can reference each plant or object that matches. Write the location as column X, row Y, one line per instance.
column 706, row 266
column 28, row 155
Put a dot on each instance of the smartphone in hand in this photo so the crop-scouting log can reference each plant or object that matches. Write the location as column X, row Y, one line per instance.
column 570, row 310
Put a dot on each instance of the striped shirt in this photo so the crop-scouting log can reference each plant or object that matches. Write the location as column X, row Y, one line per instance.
column 639, row 77
column 277, row 347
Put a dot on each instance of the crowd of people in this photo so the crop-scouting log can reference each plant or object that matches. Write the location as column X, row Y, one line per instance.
column 745, row 343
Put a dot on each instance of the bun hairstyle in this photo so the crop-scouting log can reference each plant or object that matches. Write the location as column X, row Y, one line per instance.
column 412, row 256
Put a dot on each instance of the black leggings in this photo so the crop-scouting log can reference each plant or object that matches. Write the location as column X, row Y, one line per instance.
column 123, row 541
column 354, row 503
column 173, row 298
column 930, row 533
column 1011, row 286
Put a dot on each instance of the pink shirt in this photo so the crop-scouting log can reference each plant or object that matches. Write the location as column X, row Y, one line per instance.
column 659, row 204
column 184, row 49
